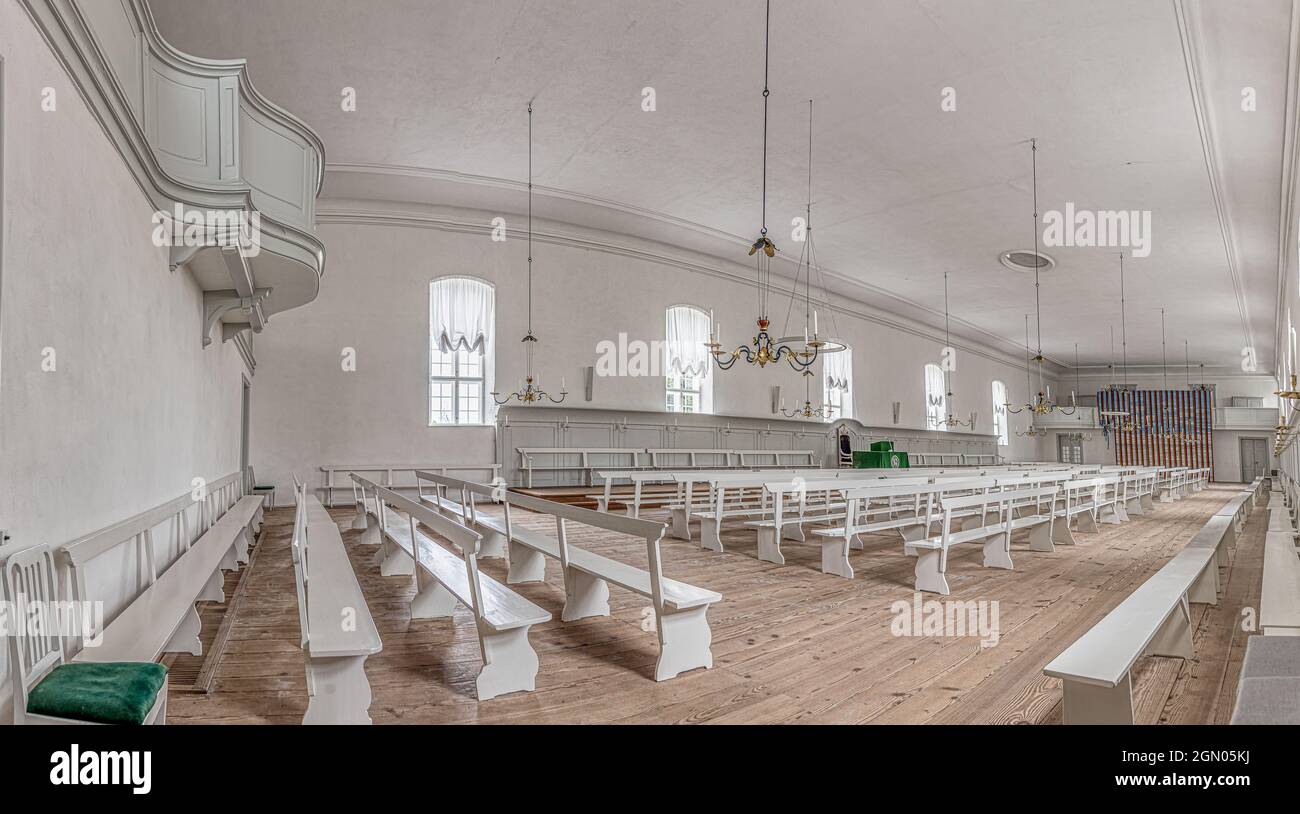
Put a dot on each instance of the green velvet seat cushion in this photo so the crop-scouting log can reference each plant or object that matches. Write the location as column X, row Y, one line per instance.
column 120, row 692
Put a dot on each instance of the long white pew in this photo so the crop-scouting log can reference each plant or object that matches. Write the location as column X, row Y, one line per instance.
column 213, row 527
column 387, row 475
column 502, row 618
column 1154, row 620
column 335, row 653
column 1279, row 601
column 680, row 609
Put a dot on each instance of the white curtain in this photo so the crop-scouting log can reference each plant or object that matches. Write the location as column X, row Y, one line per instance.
column 1000, row 412
column 461, row 314
column 837, row 376
column 934, row 396
column 687, row 331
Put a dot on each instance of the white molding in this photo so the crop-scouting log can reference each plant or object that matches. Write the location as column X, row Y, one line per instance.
column 1189, row 35
column 1287, row 204
column 385, row 213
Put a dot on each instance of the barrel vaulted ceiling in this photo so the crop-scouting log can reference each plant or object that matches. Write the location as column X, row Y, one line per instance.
column 1135, row 105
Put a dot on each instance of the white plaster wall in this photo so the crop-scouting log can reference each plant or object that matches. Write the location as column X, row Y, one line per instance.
column 311, row 412
column 136, row 407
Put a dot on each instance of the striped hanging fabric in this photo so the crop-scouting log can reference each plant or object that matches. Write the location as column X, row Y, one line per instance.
column 1166, row 427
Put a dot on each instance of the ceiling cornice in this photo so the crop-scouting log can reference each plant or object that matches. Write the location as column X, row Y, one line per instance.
column 1287, row 189
column 1189, row 34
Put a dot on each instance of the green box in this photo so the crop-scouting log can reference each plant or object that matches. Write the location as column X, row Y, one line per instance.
column 877, row 459
column 882, row 446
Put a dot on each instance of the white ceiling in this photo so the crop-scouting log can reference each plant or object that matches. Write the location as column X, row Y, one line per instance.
column 902, row 190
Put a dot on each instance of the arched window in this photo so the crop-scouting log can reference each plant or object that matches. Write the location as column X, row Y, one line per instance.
column 462, row 319
column 837, row 383
column 1000, row 412
column 688, row 387
column 936, row 408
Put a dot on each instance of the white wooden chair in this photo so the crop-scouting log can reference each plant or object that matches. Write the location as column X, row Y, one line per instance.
column 36, row 651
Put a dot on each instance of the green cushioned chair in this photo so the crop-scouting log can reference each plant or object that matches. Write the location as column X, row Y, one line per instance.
column 49, row 691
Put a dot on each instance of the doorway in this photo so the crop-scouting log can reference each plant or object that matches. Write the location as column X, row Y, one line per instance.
column 1254, row 458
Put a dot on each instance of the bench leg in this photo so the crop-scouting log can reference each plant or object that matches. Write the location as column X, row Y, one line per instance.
column 1166, row 496
column 1040, row 538
column 684, row 642
column 228, row 561
column 835, row 557
column 359, row 520
column 242, row 546
column 997, row 551
column 1174, row 638
column 526, row 565
column 769, row 547
column 1091, row 704
column 711, row 535
column 855, row 542
column 1134, row 506
column 395, row 562
column 432, row 600
column 1121, row 512
column 1088, row 523
column 215, row 589
column 370, row 534
column 584, row 595
column 342, row 692
column 1205, row 590
column 1230, row 536
column 186, row 637
column 681, row 528
column 968, row 523
column 1108, row 515
column 911, row 534
column 929, row 572
column 1061, row 532
column 509, row 663
column 793, row 531
column 1147, row 503
column 493, row 543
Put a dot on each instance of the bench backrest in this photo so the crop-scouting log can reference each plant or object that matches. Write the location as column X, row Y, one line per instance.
column 651, row 532
column 35, row 643
column 183, row 519
column 298, row 553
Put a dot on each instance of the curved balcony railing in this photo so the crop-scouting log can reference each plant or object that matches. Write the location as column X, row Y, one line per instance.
column 233, row 177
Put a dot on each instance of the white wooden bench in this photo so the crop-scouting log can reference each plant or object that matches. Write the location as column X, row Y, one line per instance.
column 932, row 559
column 1154, row 620
column 584, row 460
column 214, row 534
column 443, row 579
column 334, row 653
column 743, row 495
column 680, row 610
column 1279, row 601
column 1238, row 509
column 387, row 475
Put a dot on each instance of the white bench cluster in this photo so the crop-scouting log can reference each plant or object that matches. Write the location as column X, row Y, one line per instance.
column 680, row 610
column 446, row 579
column 932, row 510
column 1279, row 601
column 338, row 632
column 398, row 477
column 209, row 530
column 622, row 460
column 1155, row 619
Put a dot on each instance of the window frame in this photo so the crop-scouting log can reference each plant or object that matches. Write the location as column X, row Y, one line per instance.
column 487, row 361
column 931, row 423
column 703, row 391
column 1001, row 422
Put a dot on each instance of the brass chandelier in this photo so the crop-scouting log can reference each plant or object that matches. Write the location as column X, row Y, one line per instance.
column 763, row 349
column 531, row 392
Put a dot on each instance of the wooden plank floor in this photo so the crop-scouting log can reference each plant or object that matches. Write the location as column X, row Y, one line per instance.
column 790, row 644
